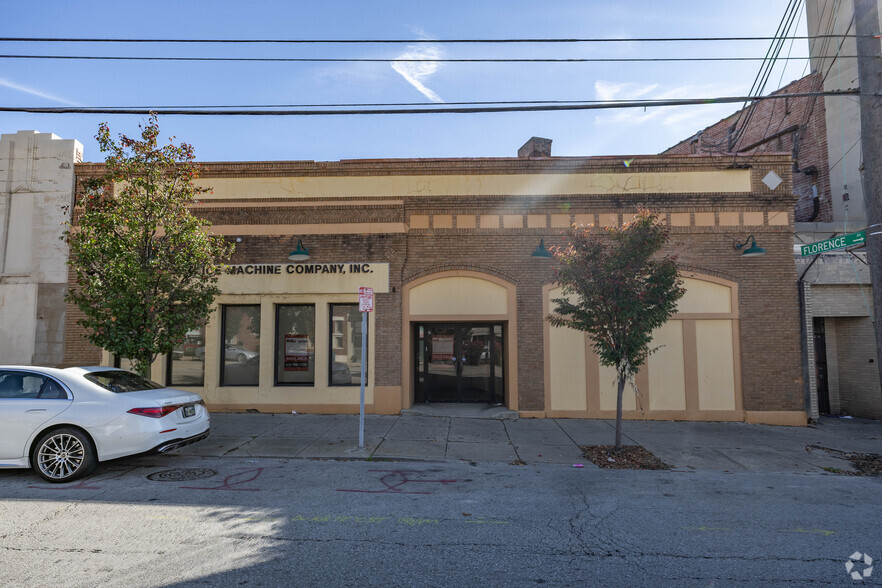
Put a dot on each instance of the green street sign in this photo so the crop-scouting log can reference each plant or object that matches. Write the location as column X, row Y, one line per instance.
column 835, row 243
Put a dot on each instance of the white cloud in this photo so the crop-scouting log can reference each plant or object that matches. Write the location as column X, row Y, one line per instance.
column 680, row 118
column 417, row 72
column 34, row 92
column 605, row 90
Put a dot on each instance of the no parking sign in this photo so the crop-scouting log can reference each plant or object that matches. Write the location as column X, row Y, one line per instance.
column 365, row 299
column 365, row 305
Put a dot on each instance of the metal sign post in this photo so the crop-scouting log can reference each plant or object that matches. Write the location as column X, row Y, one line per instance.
column 365, row 305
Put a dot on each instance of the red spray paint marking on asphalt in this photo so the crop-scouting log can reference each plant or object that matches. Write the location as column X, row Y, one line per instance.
column 395, row 479
column 233, row 480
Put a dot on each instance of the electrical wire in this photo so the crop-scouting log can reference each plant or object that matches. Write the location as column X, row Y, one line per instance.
column 727, row 144
column 398, row 41
column 440, row 109
column 766, row 70
column 375, row 104
column 401, row 60
column 765, row 144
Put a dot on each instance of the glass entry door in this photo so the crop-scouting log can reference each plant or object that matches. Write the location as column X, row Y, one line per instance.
column 459, row 362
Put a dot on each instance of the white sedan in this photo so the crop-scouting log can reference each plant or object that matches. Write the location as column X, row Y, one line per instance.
column 62, row 422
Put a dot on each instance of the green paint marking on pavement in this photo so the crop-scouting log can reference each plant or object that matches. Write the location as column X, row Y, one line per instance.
column 416, row 522
column 823, row 532
column 835, row 243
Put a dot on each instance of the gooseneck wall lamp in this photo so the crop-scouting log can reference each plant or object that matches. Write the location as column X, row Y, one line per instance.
column 541, row 252
column 752, row 251
column 299, row 254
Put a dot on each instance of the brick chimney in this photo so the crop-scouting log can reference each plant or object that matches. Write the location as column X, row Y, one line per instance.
column 535, row 147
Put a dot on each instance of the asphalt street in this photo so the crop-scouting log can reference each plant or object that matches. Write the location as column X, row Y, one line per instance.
column 184, row 520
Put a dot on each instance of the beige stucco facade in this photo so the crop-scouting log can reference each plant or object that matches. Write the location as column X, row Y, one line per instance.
column 693, row 375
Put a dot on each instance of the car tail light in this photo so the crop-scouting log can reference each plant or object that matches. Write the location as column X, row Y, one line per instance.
column 156, row 412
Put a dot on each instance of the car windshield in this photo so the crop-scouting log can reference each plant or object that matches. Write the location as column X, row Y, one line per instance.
column 121, row 381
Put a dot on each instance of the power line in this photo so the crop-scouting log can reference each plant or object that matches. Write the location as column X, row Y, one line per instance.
column 784, row 29
column 401, row 60
column 433, row 110
column 762, row 77
column 402, row 41
column 369, row 104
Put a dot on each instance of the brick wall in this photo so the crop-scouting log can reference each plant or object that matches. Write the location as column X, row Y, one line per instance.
column 443, row 233
column 842, row 300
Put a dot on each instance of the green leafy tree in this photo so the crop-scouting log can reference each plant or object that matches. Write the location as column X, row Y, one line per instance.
column 146, row 267
column 621, row 292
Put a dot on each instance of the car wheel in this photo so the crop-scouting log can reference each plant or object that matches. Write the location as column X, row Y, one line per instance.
column 241, row 358
column 64, row 455
column 202, row 356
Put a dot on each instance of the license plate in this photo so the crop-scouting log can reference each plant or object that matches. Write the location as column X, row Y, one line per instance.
column 188, row 410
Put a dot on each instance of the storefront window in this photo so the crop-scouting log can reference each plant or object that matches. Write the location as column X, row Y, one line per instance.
column 295, row 344
column 345, row 336
column 186, row 363
column 240, row 354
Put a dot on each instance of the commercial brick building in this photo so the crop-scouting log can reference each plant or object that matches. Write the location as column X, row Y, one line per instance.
column 460, row 298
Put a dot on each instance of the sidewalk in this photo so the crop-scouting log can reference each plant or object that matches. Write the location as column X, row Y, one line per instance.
column 682, row 445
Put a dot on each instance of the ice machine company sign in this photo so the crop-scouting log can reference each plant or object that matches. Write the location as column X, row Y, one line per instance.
column 279, row 269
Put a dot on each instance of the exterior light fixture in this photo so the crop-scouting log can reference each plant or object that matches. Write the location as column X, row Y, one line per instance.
column 299, row 254
column 752, row 251
column 541, row 252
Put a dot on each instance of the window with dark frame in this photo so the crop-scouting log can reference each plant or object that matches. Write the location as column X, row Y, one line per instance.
column 344, row 353
column 295, row 345
column 186, row 363
column 240, row 345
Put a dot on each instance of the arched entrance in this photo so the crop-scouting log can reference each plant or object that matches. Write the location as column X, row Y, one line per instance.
column 458, row 339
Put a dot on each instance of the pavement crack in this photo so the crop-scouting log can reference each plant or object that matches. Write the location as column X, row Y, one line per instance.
column 510, row 442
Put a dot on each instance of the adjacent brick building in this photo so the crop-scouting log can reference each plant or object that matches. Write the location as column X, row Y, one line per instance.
column 839, row 352
column 789, row 125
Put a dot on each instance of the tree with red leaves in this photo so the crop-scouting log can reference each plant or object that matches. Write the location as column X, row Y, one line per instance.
column 618, row 291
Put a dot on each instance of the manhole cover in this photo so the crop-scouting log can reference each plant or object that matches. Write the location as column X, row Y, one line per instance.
column 181, row 475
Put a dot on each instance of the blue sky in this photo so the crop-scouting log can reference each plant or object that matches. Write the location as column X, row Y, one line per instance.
column 574, row 133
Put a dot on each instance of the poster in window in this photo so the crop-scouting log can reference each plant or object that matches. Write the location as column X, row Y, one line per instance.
column 442, row 348
column 296, row 354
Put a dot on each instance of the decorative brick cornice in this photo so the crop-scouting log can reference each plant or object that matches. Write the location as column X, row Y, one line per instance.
column 468, row 166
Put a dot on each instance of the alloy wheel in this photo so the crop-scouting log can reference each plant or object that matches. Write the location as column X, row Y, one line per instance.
column 60, row 456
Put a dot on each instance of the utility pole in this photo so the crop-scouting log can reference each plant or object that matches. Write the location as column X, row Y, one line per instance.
column 869, row 52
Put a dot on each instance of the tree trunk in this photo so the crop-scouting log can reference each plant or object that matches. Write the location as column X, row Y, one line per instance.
column 619, row 412
column 142, row 367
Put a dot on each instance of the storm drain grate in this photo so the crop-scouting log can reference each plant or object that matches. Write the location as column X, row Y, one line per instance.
column 181, row 475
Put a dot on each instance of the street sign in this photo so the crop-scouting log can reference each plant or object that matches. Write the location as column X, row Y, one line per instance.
column 835, row 243
column 365, row 299
column 365, row 305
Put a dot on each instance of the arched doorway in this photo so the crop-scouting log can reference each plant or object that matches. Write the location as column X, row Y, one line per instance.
column 458, row 339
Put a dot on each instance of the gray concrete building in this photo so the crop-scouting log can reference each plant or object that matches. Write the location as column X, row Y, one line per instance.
column 36, row 190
